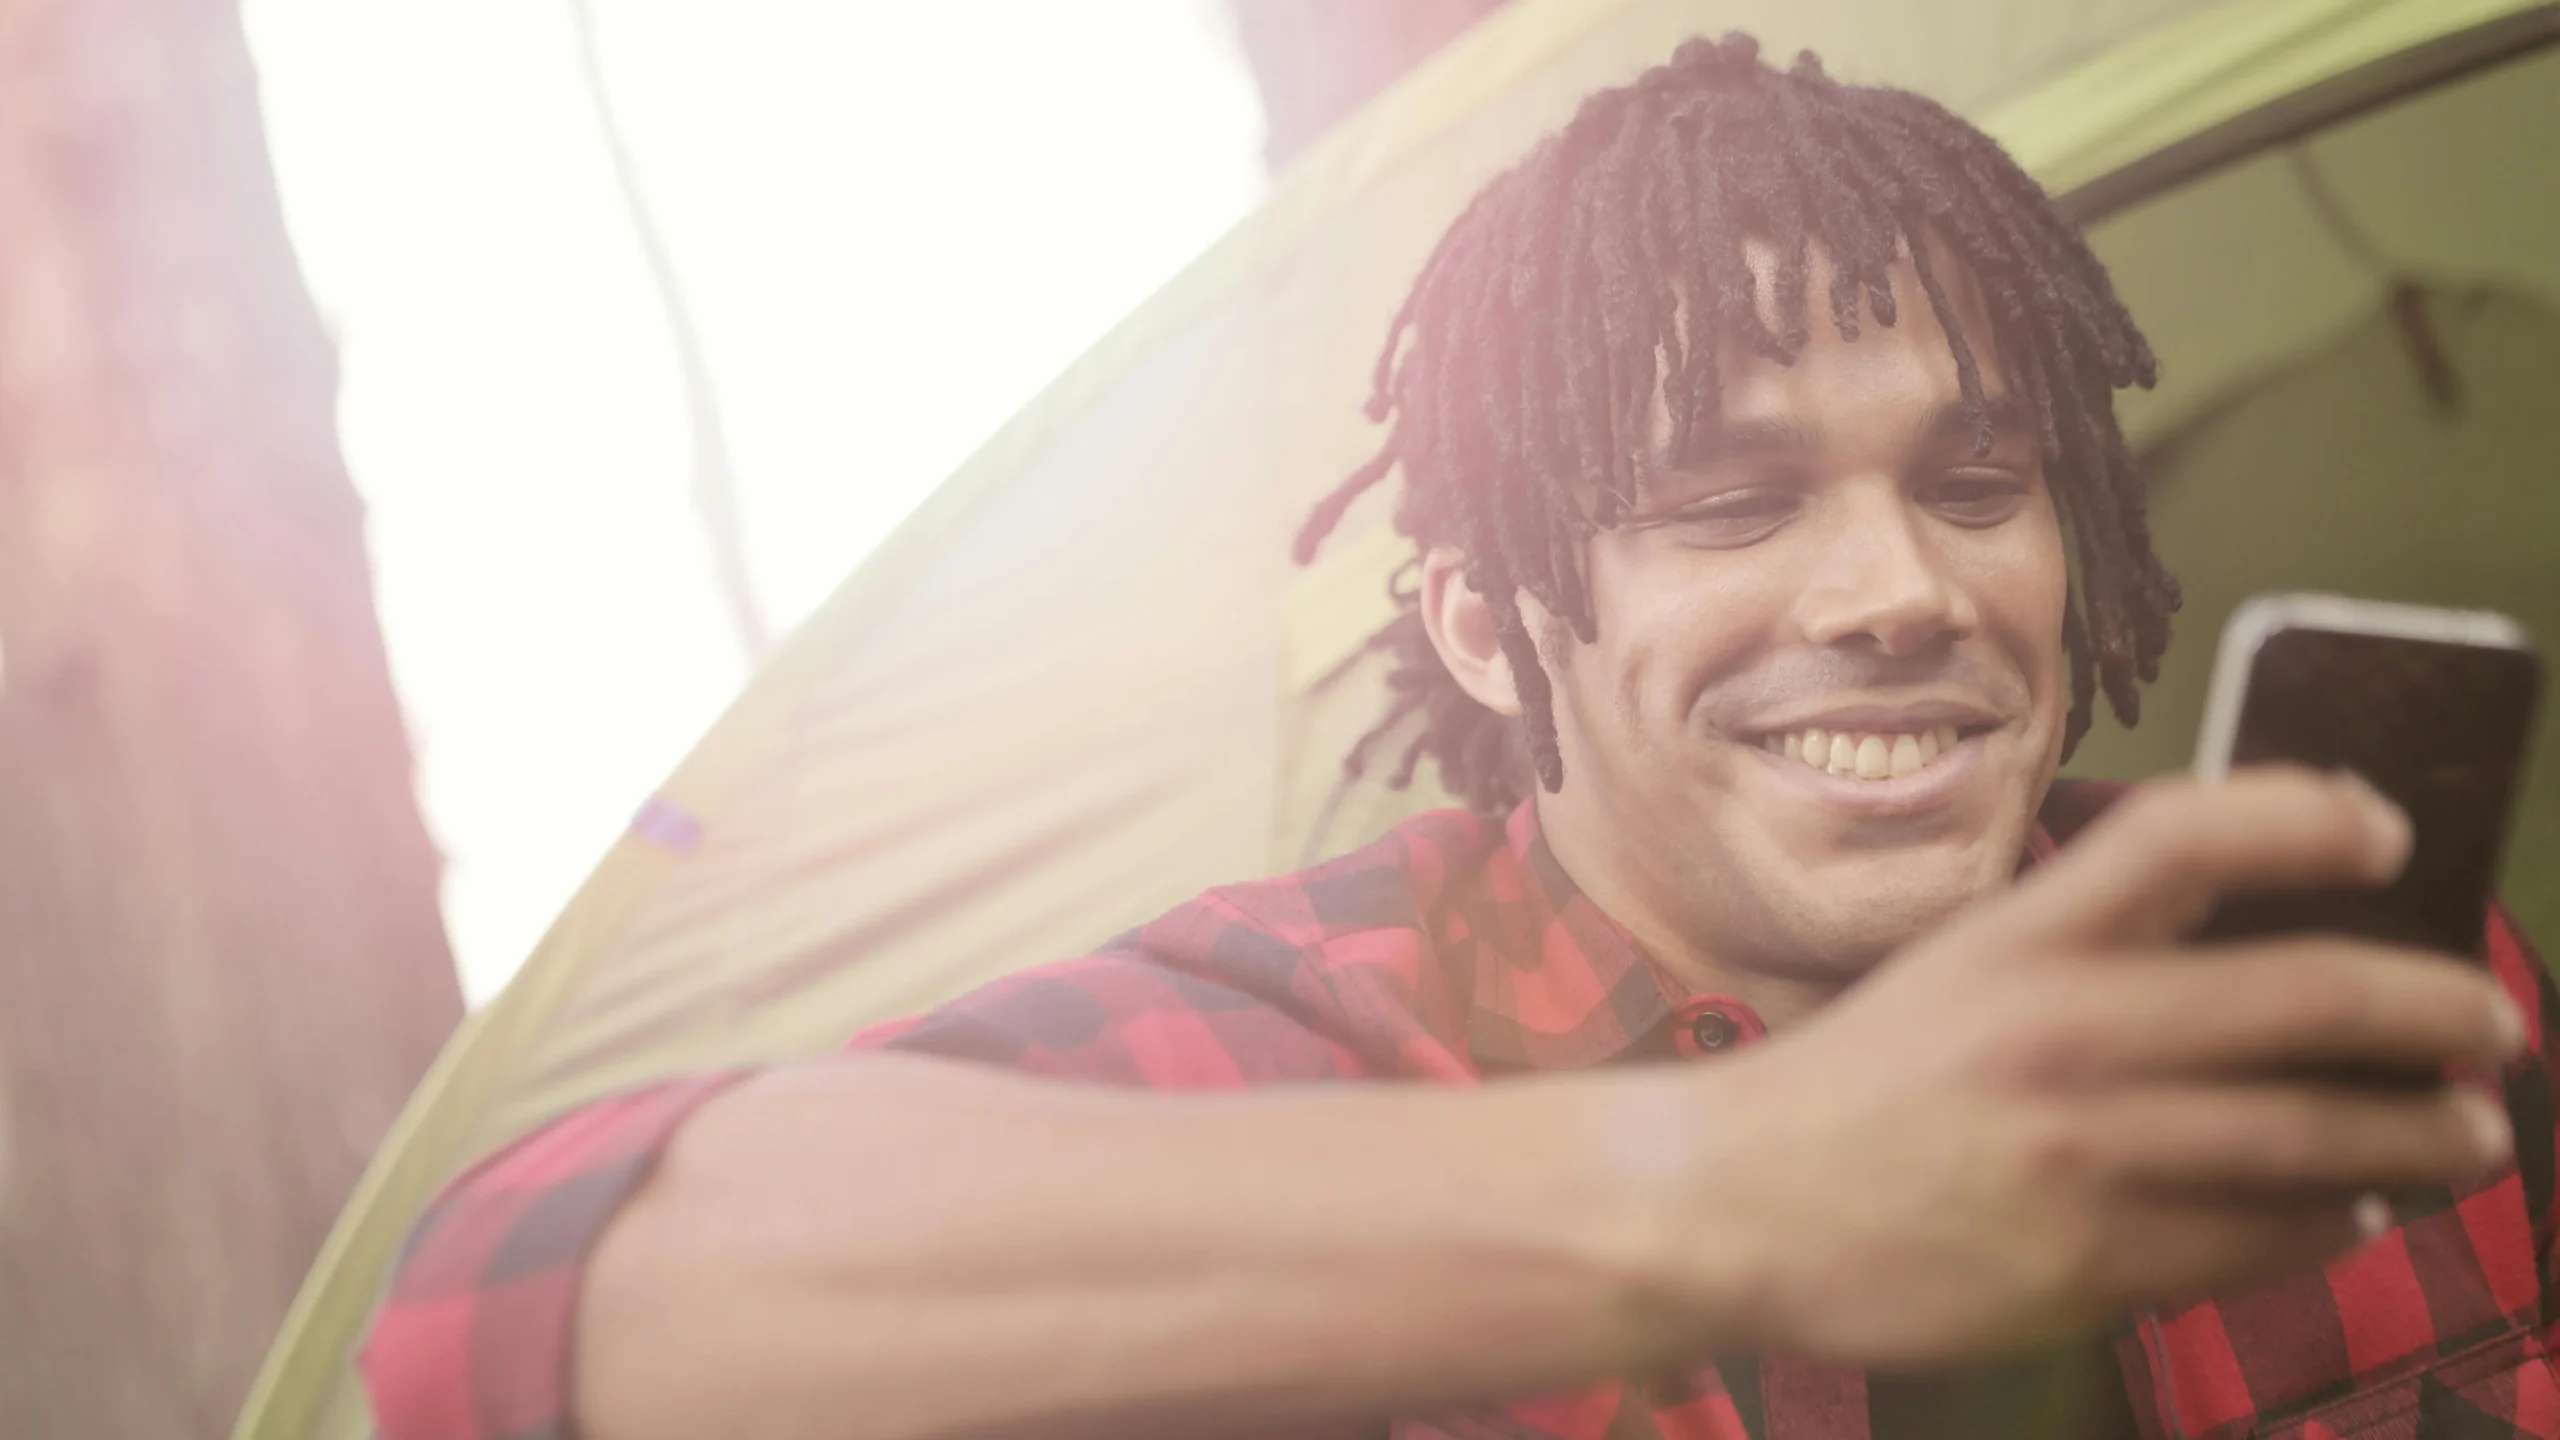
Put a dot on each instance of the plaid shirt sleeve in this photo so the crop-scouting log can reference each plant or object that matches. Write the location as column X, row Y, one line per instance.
column 2531, row 1104
column 473, row 1340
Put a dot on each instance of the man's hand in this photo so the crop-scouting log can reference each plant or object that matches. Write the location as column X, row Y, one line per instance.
column 2051, row 1111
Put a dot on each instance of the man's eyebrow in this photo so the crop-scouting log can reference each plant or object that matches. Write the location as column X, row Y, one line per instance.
column 2010, row 416
column 1759, row 435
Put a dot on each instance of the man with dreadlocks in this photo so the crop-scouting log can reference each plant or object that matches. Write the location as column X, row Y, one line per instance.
column 1775, row 538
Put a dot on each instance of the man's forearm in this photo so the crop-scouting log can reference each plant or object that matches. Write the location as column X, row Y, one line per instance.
column 892, row 1247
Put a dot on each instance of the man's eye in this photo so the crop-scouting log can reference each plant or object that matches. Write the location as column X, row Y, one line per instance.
column 1736, row 517
column 1977, row 499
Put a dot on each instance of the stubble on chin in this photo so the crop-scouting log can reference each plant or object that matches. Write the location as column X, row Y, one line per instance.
column 1836, row 923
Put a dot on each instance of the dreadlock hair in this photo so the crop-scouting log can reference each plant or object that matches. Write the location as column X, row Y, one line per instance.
column 1597, row 276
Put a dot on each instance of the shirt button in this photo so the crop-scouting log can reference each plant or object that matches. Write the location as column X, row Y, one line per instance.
column 1713, row 1025
column 1714, row 1031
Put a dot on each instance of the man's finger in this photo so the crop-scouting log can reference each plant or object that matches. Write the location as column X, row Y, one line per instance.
column 2151, row 868
column 2292, row 1139
column 2291, row 1002
column 2174, row 1247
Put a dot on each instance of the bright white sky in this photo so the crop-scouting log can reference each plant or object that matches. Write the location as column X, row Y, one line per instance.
column 896, row 220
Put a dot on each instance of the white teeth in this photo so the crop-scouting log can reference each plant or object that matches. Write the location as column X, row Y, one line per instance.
column 1906, row 755
column 1875, row 758
column 1867, row 755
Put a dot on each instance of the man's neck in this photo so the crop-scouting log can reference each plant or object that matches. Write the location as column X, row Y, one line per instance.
column 1779, row 991
column 1782, row 988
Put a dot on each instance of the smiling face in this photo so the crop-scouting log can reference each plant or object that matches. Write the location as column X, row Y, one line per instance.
column 1828, row 689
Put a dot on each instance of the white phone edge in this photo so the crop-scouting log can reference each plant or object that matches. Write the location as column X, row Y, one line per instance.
column 2262, row 616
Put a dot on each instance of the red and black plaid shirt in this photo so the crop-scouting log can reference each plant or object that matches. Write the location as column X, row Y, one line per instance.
column 1456, row 950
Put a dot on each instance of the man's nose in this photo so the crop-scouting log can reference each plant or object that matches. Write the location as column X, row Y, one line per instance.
column 1881, row 582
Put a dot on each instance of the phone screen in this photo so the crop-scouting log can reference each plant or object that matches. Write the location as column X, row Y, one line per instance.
column 2440, row 727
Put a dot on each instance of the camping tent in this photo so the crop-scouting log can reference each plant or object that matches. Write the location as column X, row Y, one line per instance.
column 1083, row 683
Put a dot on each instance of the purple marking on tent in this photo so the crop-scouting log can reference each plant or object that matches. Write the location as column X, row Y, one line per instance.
column 661, row 821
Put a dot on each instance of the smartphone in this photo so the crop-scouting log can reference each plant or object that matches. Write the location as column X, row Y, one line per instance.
column 2433, row 707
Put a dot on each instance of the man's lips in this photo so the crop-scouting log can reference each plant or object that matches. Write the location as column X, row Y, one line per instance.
column 1948, row 772
column 1876, row 758
column 1905, row 717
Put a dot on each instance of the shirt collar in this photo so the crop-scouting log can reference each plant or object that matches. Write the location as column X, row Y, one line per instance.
column 1557, row 984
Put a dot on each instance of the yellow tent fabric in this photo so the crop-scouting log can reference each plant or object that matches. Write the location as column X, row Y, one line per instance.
column 1083, row 683
column 2342, row 474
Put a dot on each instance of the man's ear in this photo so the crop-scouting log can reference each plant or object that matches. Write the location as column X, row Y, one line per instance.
column 1461, row 629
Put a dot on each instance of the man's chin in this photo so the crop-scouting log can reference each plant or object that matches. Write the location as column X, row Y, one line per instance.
column 1864, row 911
